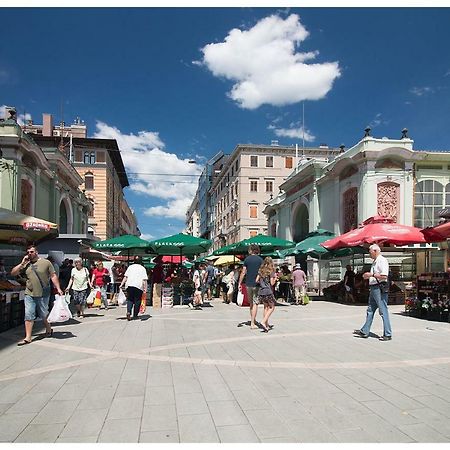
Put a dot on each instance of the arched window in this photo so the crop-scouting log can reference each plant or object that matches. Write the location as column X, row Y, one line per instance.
column 428, row 200
column 62, row 218
column 89, row 181
column 350, row 208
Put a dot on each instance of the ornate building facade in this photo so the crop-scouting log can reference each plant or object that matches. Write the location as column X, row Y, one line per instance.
column 375, row 177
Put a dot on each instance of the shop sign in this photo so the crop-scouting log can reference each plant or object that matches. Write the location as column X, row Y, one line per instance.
column 36, row 226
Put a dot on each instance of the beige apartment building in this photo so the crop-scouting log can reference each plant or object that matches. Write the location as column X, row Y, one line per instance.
column 249, row 180
column 100, row 165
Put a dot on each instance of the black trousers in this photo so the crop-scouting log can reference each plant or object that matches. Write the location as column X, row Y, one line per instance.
column 134, row 299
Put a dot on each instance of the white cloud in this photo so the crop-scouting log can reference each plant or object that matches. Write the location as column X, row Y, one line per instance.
column 21, row 118
column 294, row 132
column 264, row 66
column 147, row 236
column 155, row 172
column 420, row 91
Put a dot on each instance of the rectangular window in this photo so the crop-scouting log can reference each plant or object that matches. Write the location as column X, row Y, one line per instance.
column 253, row 161
column 269, row 161
column 253, row 186
column 253, row 233
column 288, row 162
column 269, row 186
column 253, row 212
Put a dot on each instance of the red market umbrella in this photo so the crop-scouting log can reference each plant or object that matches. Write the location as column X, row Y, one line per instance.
column 379, row 230
column 438, row 233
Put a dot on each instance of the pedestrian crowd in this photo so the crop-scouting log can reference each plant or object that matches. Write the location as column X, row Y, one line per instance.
column 256, row 280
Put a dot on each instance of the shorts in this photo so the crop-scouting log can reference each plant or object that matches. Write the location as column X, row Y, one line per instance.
column 36, row 307
column 79, row 297
column 252, row 294
column 267, row 299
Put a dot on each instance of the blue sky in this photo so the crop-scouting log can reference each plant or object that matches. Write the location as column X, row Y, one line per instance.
column 174, row 84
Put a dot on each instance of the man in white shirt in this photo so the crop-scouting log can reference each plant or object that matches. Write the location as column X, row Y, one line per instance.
column 378, row 297
column 135, row 282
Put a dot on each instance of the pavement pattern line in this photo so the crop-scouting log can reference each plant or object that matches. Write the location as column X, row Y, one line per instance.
column 108, row 354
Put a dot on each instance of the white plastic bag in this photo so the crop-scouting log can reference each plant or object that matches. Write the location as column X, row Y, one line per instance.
column 91, row 297
column 60, row 311
column 240, row 298
column 122, row 298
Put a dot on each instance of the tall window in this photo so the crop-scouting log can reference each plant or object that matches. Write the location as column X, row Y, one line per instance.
column 428, row 200
column 253, row 212
column 89, row 157
column 253, row 161
column 89, row 181
column 269, row 161
column 288, row 162
column 269, row 186
column 253, row 186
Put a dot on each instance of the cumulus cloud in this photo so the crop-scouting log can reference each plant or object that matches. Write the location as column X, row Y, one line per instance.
column 378, row 120
column 421, row 91
column 295, row 131
column 154, row 172
column 21, row 118
column 266, row 68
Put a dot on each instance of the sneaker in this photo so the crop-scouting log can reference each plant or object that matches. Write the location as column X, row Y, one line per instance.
column 190, row 305
column 385, row 338
column 360, row 334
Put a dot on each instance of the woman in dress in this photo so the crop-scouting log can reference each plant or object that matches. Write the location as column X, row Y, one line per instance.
column 80, row 284
column 266, row 279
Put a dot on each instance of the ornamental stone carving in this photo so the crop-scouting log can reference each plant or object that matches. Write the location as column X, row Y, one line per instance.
column 25, row 200
column 350, row 203
column 388, row 200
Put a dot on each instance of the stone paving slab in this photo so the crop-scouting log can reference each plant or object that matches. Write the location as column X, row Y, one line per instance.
column 204, row 376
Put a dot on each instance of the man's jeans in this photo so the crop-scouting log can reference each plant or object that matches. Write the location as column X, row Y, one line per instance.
column 377, row 300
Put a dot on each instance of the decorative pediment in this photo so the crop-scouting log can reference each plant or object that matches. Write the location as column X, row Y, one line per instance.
column 389, row 163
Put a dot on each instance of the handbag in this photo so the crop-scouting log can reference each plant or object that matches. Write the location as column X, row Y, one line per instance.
column 384, row 287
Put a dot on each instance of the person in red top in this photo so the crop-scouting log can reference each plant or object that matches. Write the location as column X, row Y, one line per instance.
column 98, row 281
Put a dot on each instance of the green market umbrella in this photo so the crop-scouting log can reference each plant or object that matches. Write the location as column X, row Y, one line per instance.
column 310, row 245
column 267, row 244
column 180, row 244
column 226, row 250
column 125, row 242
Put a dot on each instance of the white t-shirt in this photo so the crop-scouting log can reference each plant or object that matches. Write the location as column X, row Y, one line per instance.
column 196, row 279
column 381, row 266
column 80, row 279
column 135, row 274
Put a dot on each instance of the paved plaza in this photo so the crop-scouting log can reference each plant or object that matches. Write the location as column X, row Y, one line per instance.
column 204, row 376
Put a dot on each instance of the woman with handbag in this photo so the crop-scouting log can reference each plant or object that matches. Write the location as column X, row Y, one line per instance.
column 80, row 284
column 100, row 279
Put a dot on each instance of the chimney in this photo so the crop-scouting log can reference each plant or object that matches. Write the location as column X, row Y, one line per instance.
column 47, row 124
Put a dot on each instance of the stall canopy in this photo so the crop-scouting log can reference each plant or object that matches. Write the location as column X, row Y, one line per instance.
column 438, row 233
column 310, row 245
column 180, row 244
column 227, row 259
column 20, row 229
column 267, row 244
column 125, row 242
column 377, row 230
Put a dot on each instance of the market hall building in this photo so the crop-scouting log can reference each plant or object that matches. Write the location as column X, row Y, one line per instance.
column 377, row 176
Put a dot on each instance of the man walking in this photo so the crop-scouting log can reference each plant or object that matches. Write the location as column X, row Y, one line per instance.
column 38, row 273
column 135, row 282
column 250, row 271
column 209, row 275
column 378, row 296
column 299, row 282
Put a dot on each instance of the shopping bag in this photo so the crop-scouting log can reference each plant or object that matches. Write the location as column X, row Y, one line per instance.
column 121, row 298
column 60, row 311
column 67, row 298
column 240, row 298
column 98, row 298
column 90, row 298
column 143, row 303
column 306, row 299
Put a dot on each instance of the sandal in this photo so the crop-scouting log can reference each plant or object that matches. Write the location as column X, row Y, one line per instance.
column 23, row 342
column 49, row 334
